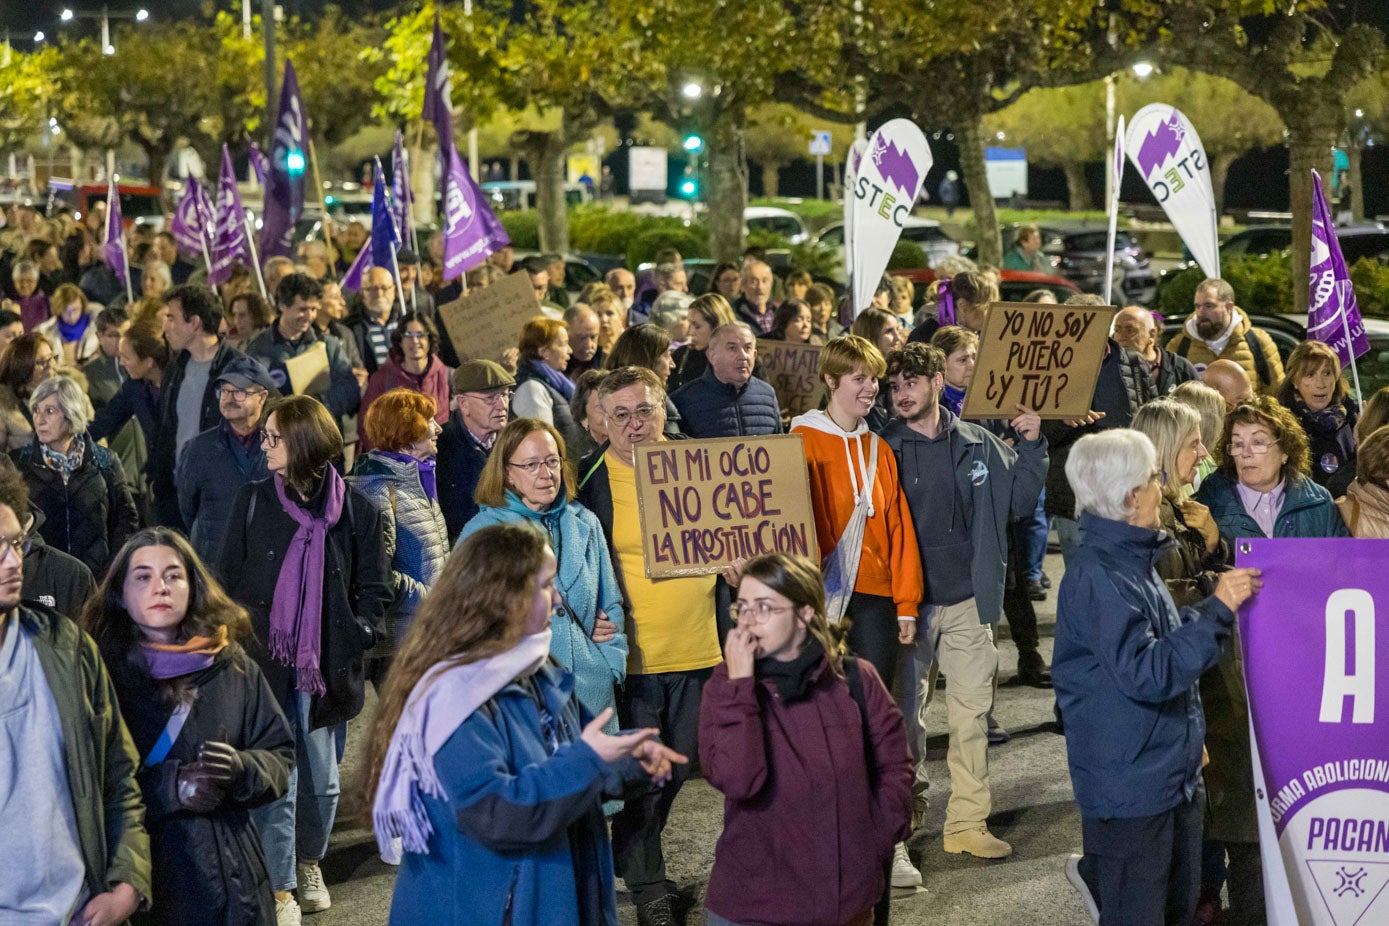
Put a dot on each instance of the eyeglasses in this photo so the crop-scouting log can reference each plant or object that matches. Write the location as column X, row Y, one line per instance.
column 531, row 467
column 270, row 439
column 500, row 397
column 19, row 545
column 414, row 335
column 757, row 611
column 46, row 363
column 623, row 417
column 1256, row 447
column 231, row 392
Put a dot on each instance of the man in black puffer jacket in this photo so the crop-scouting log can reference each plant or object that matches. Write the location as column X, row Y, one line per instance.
column 727, row 400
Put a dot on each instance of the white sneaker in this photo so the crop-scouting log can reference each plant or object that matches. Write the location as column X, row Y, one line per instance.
column 313, row 893
column 904, row 873
column 1083, row 889
column 287, row 912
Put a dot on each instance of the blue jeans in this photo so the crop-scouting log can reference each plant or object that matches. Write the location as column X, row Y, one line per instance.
column 1030, row 541
column 301, row 821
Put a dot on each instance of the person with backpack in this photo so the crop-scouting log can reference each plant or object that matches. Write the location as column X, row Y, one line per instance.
column 810, row 753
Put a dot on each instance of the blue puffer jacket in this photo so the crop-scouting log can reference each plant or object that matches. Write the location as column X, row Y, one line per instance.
column 1125, row 667
column 1308, row 510
column 711, row 408
column 519, row 837
column 588, row 584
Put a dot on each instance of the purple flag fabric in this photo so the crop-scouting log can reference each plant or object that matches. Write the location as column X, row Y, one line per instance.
column 284, row 189
column 438, row 89
column 352, row 279
column 193, row 219
column 385, row 238
column 471, row 230
column 259, row 166
column 1333, row 316
column 229, row 240
column 400, row 189
column 114, row 248
column 1311, row 642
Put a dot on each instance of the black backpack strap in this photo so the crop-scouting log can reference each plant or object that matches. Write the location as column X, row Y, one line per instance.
column 855, row 680
column 1183, row 346
column 1260, row 361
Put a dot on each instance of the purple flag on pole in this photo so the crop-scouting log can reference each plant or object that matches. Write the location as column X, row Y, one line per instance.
column 385, row 238
column 471, row 230
column 284, row 189
column 1311, row 641
column 259, row 166
column 229, row 241
column 1333, row 316
column 438, row 90
column 400, row 187
column 114, row 248
column 192, row 218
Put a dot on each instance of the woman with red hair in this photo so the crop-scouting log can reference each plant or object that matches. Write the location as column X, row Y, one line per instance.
column 398, row 475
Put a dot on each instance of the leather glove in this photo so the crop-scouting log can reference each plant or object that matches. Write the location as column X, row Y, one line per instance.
column 223, row 762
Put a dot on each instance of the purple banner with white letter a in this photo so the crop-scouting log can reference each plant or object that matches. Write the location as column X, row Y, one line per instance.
column 1320, row 725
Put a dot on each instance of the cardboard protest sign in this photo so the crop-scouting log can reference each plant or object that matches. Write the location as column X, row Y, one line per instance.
column 487, row 321
column 790, row 368
column 308, row 372
column 705, row 503
column 1311, row 642
column 1046, row 357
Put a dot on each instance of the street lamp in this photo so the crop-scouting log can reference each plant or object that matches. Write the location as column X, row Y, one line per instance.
column 105, row 16
column 692, row 90
column 1142, row 70
column 38, row 36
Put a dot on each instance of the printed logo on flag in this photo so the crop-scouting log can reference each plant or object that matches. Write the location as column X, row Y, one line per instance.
column 1165, row 148
column 885, row 183
column 1350, row 889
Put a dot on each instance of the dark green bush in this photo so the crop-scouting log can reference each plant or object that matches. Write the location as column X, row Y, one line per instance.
column 523, row 227
column 1262, row 285
column 1371, row 279
column 690, row 242
column 907, row 256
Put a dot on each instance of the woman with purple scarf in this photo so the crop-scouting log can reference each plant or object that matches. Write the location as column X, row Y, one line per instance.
column 305, row 554
column 399, row 477
column 213, row 741
column 542, row 389
column 482, row 762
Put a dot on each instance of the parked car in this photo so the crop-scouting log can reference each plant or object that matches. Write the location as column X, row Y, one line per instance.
column 520, row 194
column 1078, row 253
column 578, row 272
column 927, row 233
column 777, row 221
column 1013, row 285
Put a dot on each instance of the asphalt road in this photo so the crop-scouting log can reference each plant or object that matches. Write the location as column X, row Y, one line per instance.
column 1033, row 810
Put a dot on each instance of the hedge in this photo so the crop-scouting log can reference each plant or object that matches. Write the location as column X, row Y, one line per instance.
column 907, row 256
column 1264, row 285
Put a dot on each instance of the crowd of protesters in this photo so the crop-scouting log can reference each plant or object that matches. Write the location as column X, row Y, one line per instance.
column 244, row 550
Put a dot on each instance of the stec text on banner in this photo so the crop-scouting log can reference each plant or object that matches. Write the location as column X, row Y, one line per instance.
column 1165, row 148
column 1333, row 315
column 706, row 503
column 1311, row 644
column 886, row 182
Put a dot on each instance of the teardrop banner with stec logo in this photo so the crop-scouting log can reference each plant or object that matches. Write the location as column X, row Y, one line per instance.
column 1312, row 642
column 885, row 186
column 1165, row 148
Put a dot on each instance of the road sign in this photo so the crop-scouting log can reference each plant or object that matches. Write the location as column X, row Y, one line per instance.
column 820, row 144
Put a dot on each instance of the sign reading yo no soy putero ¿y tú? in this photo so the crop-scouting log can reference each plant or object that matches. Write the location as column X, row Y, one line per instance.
column 706, row 503
column 1046, row 357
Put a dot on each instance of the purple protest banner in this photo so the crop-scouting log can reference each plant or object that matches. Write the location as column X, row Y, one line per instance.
column 284, row 189
column 403, row 196
column 259, row 166
column 1320, row 728
column 380, row 249
column 230, row 242
column 438, row 90
column 1333, row 316
column 113, row 250
column 187, row 227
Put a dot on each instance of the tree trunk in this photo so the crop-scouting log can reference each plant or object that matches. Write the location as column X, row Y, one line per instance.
column 156, row 159
column 1355, row 178
column 1078, row 186
column 515, row 168
column 545, row 155
column 970, row 135
column 771, row 178
column 728, row 187
column 1220, row 169
column 1309, row 147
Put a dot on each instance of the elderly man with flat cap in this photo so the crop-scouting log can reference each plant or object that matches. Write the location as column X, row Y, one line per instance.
column 481, row 408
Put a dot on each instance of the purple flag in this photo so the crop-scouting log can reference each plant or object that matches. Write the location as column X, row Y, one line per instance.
column 438, row 90
column 284, row 189
column 385, row 238
column 259, row 167
column 1320, row 715
column 229, row 241
column 192, row 218
column 1333, row 316
column 471, row 231
column 400, row 189
column 114, row 248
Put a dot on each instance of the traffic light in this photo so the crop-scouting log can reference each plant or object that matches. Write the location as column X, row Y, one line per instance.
column 694, row 143
column 689, row 188
column 294, row 162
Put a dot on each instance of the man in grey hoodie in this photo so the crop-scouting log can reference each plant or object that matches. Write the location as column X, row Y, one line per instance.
column 963, row 485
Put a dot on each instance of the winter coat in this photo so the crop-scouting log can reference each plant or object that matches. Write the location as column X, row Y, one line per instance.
column 53, row 578
column 89, row 517
column 101, row 759
column 357, row 323
column 710, row 407
column 1124, row 385
column 1185, row 565
column 164, row 440
column 1125, row 667
column 434, row 382
column 588, row 584
column 208, row 868
column 104, row 381
column 84, row 349
column 1364, row 508
column 536, row 398
column 416, row 537
column 799, row 798
column 690, row 365
column 457, row 469
column 1331, row 448
column 212, row 468
column 519, row 837
column 343, row 395
column 1308, row 511
column 356, row 590
column 1265, row 372
column 1173, row 371
column 1004, row 484
column 16, row 428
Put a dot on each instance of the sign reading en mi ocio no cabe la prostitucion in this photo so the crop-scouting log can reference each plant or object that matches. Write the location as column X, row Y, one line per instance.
column 706, row 503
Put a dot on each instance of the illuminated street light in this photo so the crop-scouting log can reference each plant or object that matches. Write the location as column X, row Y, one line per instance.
column 141, row 15
column 38, row 36
column 1142, row 70
column 66, row 16
column 692, row 90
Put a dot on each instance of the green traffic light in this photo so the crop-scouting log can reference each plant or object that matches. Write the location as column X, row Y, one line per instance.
column 689, row 188
column 694, row 143
column 294, row 160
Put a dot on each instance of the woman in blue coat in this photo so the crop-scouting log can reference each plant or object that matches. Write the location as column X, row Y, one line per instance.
column 528, row 479
column 483, row 762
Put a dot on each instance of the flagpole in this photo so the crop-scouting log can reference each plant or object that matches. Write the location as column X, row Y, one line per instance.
column 395, row 268
column 327, row 219
column 1350, row 349
column 255, row 258
column 129, row 290
column 207, row 257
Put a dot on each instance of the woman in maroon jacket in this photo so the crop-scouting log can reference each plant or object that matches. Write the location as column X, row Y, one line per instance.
column 786, row 721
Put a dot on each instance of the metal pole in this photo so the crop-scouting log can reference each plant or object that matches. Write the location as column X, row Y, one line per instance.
column 1109, row 136
column 819, row 176
column 267, row 20
column 472, row 132
column 246, row 19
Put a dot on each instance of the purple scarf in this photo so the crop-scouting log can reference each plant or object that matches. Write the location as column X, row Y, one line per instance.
column 74, row 332
column 428, row 480
column 172, row 660
column 557, row 380
column 296, row 617
column 945, row 303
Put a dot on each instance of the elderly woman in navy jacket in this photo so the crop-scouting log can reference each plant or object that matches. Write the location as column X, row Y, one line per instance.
column 1126, row 666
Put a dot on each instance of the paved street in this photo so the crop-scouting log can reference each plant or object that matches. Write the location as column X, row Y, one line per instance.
column 1033, row 810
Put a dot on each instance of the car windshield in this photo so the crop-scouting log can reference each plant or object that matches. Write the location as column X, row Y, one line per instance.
column 1097, row 241
column 776, row 224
